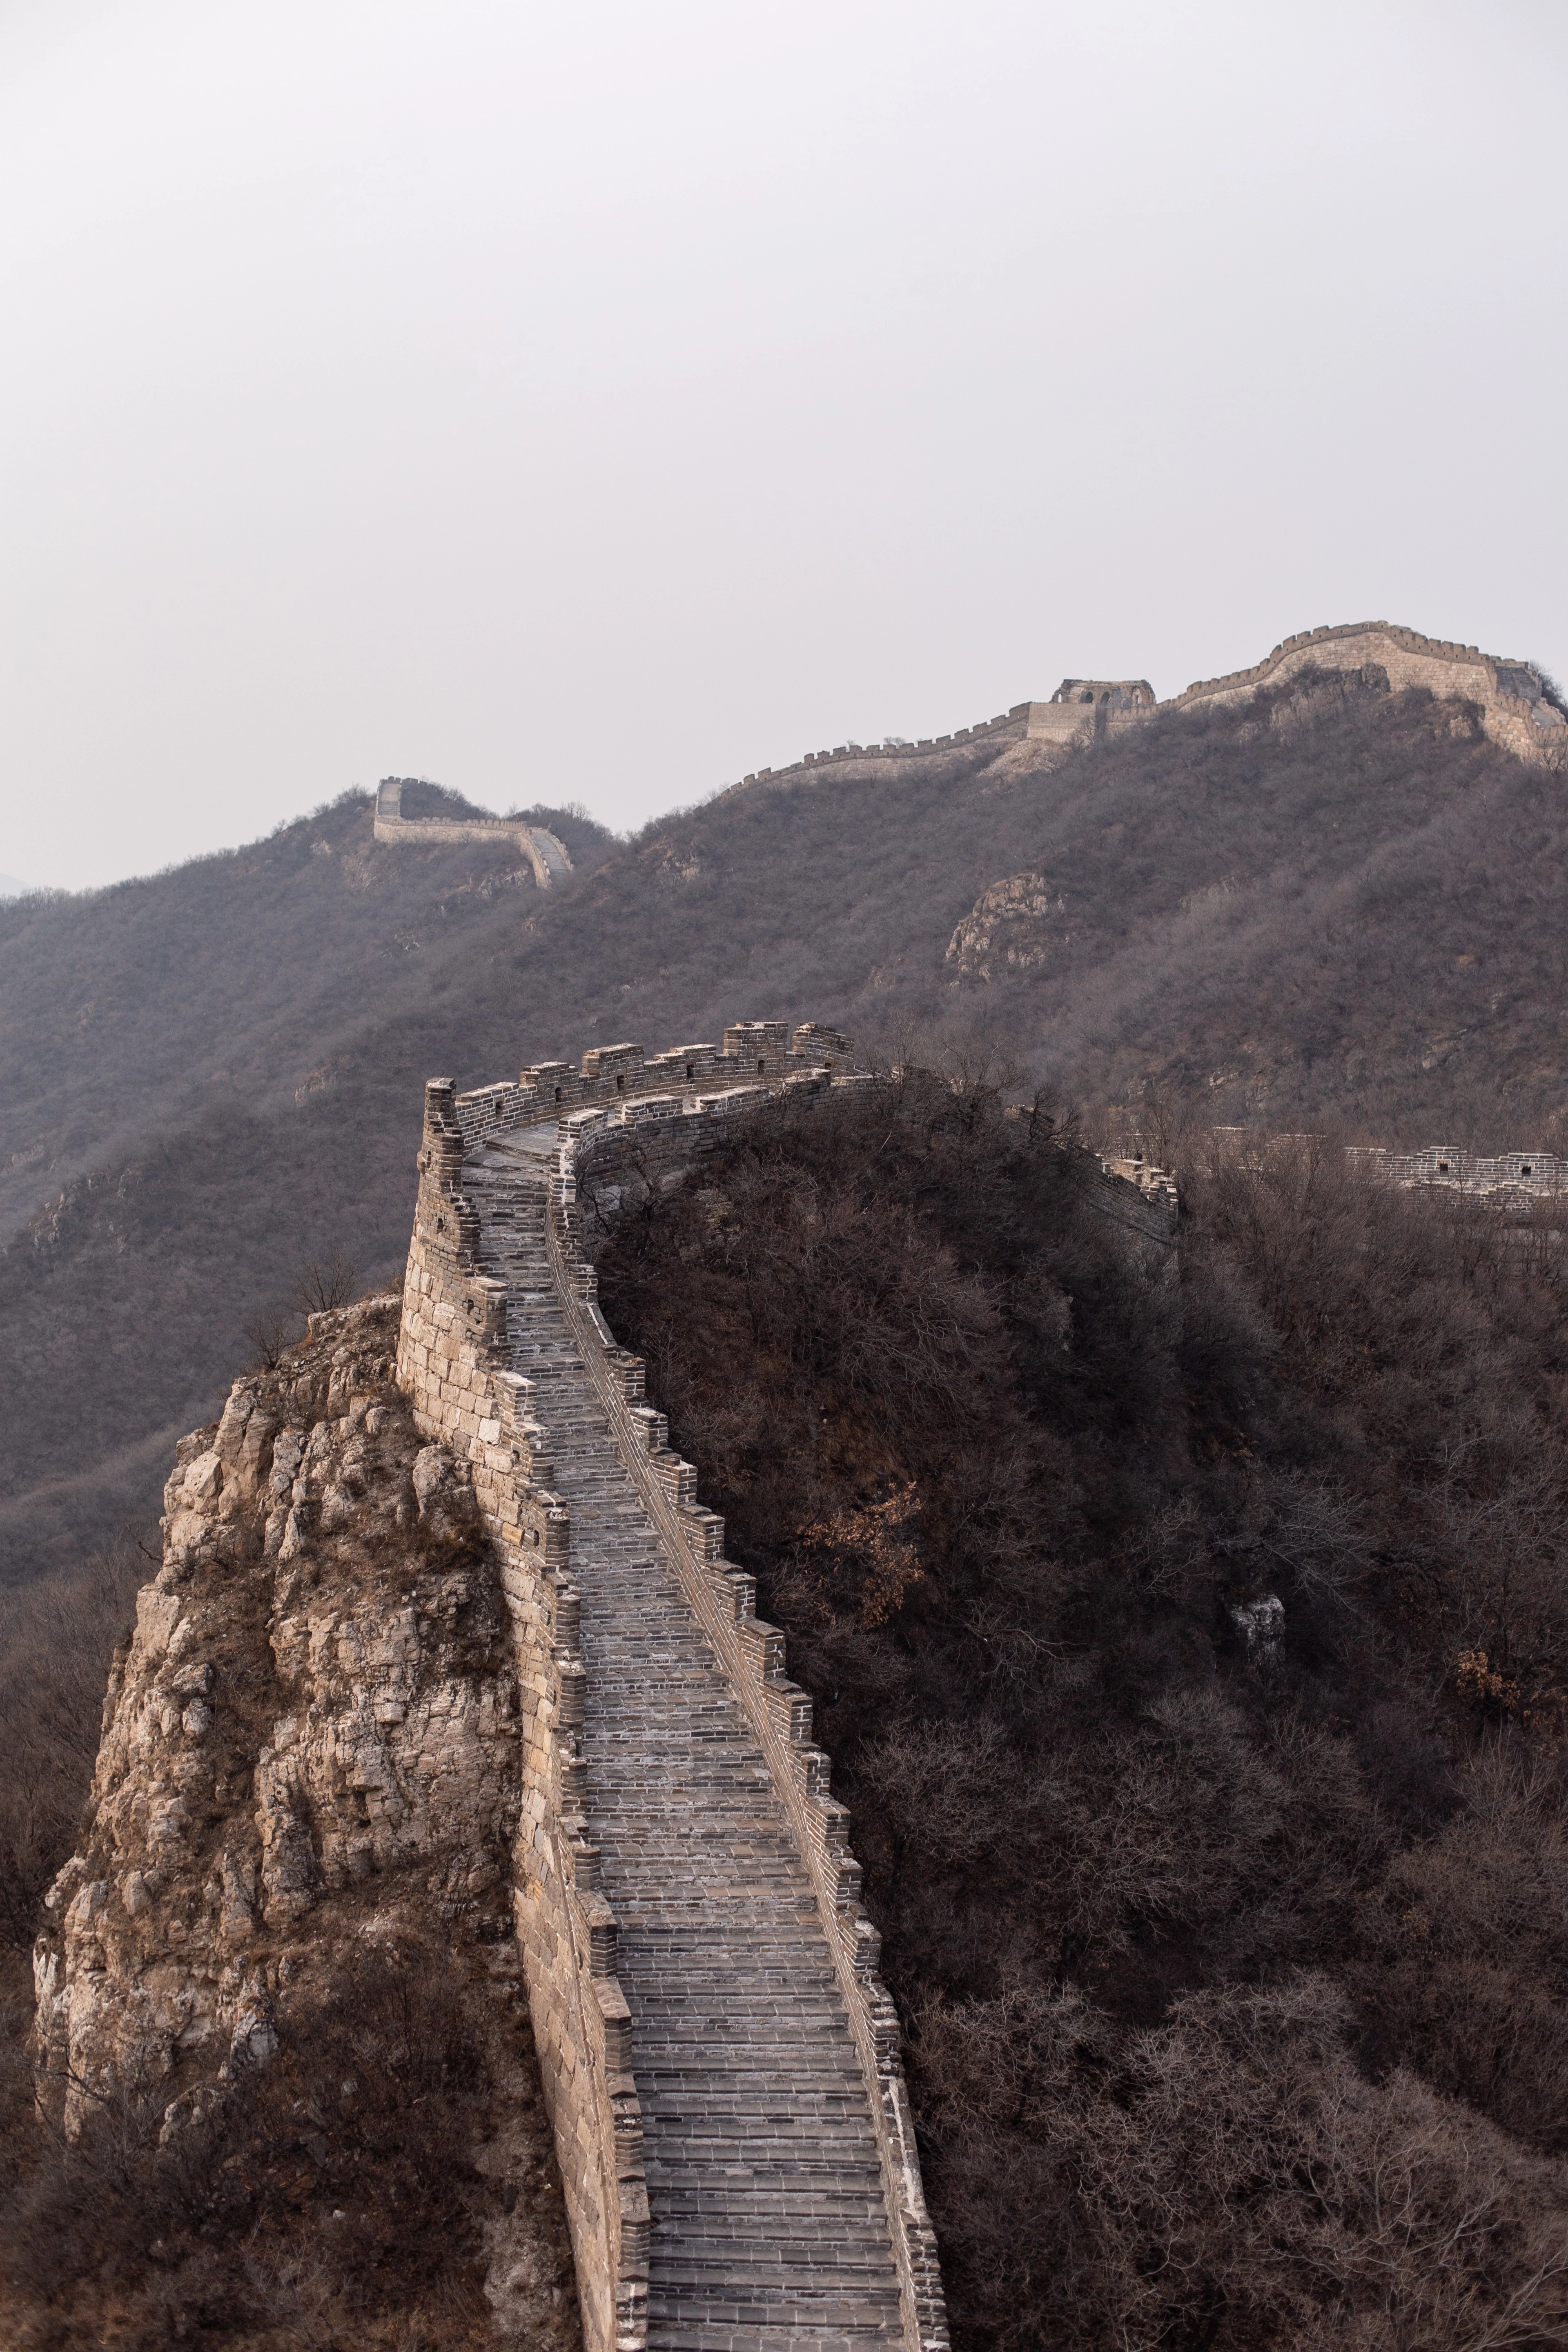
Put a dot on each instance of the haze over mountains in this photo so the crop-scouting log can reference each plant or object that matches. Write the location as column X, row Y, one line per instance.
column 1332, row 902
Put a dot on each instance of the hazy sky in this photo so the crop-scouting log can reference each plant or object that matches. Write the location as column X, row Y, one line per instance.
column 598, row 401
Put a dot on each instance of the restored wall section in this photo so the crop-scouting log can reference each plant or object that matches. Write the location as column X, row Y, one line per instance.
column 545, row 853
column 451, row 1363
column 1515, row 713
column 658, row 1139
column 626, row 1119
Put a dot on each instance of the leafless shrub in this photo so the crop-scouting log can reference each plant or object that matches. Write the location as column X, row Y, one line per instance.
column 272, row 1332
column 324, row 1282
column 325, row 2195
column 1140, row 1902
column 1229, row 2177
column 55, row 1641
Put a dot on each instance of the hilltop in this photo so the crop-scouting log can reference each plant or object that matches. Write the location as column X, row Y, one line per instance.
column 1302, row 898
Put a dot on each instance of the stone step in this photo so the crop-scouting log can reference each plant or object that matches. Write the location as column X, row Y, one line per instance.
column 769, row 2228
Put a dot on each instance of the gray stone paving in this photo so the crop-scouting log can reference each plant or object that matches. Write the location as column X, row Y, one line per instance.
column 770, row 2226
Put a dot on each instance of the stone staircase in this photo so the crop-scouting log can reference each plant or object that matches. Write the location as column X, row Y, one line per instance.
column 769, row 2219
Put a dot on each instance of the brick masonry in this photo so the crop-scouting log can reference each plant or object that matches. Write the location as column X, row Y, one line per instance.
column 545, row 853
column 711, row 2025
column 1514, row 711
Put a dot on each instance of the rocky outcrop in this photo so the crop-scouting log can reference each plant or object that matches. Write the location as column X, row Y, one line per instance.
column 309, row 1752
column 1011, row 925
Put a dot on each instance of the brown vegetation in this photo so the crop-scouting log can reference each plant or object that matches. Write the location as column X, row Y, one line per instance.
column 366, row 2160
column 328, row 2196
column 1234, row 1983
column 206, row 1072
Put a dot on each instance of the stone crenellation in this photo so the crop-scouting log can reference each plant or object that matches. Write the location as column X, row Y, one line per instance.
column 499, row 1277
column 545, row 853
column 451, row 1363
column 1517, row 711
column 723, row 1599
column 1504, row 1178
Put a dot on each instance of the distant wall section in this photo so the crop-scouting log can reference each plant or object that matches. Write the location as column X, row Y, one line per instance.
column 545, row 853
column 1516, row 711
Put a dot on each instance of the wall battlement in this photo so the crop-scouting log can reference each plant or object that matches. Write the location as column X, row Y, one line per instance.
column 1516, row 711
column 547, row 855
column 1505, row 1179
column 499, row 1278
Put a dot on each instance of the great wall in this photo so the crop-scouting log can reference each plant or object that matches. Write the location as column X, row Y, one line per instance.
column 1508, row 1181
column 721, row 2060
column 1516, row 710
column 574, row 1755
column 545, row 853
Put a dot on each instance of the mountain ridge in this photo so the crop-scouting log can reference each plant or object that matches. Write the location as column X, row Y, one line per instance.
column 1322, row 898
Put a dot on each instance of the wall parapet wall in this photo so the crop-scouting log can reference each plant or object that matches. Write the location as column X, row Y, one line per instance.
column 660, row 1136
column 628, row 1119
column 1521, row 720
column 452, row 1364
column 753, row 1053
column 1505, row 1177
column 545, row 853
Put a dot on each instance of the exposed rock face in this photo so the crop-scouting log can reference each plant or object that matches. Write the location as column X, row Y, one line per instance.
column 310, row 1745
column 1011, row 925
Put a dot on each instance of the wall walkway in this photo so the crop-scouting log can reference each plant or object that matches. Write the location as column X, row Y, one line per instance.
column 721, row 2060
column 769, row 2223
column 545, row 853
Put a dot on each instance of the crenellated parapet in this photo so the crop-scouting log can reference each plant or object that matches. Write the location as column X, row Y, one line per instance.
column 453, row 1363
column 655, row 1139
column 545, row 853
column 754, row 1052
column 512, row 1179
column 1515, row 709
column 1508, row 1180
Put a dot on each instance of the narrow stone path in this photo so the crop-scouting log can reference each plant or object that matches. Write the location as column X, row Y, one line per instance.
column 770, row 2225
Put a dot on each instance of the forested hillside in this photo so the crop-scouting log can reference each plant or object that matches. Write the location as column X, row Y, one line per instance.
column 1189, row 1630
column 1334, row 902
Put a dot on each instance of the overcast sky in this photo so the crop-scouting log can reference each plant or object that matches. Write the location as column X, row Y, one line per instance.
column 594, row 402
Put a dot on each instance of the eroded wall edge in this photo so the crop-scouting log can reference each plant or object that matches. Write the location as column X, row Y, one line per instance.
column 452, row 1365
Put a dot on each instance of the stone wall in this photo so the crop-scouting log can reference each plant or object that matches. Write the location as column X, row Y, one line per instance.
column 656, row 1139
column 451, row 1364
column 545, row 853
column 628, row 1120
column 752, row 1052
column 1515, row 712
column 1508, row 1178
